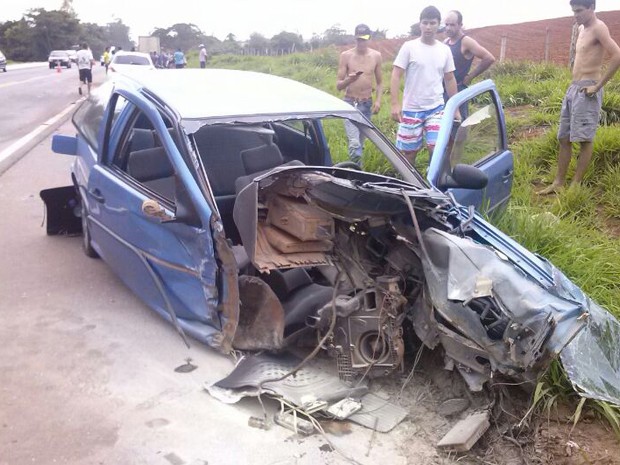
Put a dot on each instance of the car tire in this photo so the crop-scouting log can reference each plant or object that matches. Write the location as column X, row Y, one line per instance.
column 51, row 66
column 86, row 242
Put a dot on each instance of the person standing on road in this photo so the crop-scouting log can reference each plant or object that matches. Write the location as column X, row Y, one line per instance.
column 179, row 59
column 356, row 69
column 582, row 103
column 427, row 65
column 464, row 49
column 202, row 56
column 85, row 63
column 106, row 59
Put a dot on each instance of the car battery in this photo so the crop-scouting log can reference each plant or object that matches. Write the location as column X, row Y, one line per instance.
column 303, row 221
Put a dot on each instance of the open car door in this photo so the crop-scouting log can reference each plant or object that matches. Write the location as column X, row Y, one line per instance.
column 479, row 140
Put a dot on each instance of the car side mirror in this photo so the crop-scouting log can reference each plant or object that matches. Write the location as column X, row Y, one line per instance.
column 464, row 177
column 65, row 145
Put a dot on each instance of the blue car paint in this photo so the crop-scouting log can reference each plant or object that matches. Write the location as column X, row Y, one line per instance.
column 181, row 255
column 498, row 167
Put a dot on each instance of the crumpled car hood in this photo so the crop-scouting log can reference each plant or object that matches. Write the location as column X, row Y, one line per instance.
column 489, row 311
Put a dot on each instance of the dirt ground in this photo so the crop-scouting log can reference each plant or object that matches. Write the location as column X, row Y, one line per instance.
column 542, row 440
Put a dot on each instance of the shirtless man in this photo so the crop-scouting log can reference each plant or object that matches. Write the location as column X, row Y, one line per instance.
column 464, row 50
column 356, row 70
column 582, row 104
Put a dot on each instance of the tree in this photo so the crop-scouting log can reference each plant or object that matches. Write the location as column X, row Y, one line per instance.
column 258, row 44
column 335, row 35
column 181, row 35
column 118, row 35
column 287, row 42
column 18, row 40
column 51, row 30
column 415, row 30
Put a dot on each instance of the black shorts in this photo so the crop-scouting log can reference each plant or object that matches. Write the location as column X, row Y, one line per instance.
column 86, row 75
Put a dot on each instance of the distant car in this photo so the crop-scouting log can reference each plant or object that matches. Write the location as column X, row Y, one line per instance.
column 72, row 55
column 127, row 62
column 2, row 61
column 59, row 57
column 221, row 209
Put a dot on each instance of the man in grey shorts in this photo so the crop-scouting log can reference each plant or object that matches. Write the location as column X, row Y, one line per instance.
column 582, row 103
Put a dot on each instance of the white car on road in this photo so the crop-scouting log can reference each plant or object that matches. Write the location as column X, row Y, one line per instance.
column 126, row 62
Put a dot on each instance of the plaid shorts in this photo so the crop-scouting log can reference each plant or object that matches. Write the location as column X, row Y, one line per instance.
column 415, row 126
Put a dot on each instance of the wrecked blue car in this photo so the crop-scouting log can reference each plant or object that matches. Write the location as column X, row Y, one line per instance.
column 214, row 196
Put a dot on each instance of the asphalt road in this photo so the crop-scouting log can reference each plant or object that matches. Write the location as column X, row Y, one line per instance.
column 87, row 371
column 32, row 95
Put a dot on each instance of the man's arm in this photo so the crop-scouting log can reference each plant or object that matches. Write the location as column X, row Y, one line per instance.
column 478, row 51
column 397, row 74
column 379, row 79
column 451, row 89
column 611, row 47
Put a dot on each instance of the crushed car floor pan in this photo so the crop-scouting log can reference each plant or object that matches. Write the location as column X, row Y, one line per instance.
column 309, row 385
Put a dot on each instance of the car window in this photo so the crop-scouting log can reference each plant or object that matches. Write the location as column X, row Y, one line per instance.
column 131, row 60
column 89, row 115
column 479, row 135
column 142, row 156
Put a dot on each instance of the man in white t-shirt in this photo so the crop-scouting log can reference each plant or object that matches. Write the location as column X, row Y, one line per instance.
column 427, row 64
column 85, row 63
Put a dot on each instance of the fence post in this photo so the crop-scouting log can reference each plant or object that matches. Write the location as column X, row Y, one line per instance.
column 502, row 51
column 547, row 42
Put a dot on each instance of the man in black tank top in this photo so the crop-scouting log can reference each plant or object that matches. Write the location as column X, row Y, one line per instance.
column 464, row 50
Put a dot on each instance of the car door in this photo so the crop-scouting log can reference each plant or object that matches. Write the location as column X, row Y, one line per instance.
column 166, row 260
column 480, row 140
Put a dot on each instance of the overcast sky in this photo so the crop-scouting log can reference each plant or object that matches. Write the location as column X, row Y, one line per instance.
column 305, row 17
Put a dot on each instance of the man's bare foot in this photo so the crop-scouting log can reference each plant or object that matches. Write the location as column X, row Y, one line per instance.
column 552, row 189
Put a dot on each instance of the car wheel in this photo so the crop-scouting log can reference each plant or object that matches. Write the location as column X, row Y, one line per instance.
column 86, row 244
column 51, row 66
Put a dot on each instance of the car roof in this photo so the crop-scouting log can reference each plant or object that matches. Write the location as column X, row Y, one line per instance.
column 127, row 52
column 213, row 93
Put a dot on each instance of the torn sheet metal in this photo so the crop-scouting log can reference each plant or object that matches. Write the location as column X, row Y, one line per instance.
column 592, row 359
column 310, row 386
column 490, row 315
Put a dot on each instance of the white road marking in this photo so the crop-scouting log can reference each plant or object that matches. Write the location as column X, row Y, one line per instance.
column 11, row 154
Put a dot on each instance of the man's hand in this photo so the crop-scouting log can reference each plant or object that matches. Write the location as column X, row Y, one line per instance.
column 376, row 106
column 590, row 91
column 396, row 112
column 457, row 116
column 467, row 80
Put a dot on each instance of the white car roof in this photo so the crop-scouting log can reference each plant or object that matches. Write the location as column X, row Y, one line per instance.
column 214, row 93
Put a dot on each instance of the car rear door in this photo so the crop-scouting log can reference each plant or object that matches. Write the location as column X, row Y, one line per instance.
column 480, row 140
column 167, row 261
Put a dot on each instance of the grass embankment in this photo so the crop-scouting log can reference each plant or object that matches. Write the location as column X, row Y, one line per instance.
column 578, row 229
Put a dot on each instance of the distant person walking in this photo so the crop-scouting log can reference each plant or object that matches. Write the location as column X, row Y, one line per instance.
column 179, row 59
column 582, row 103
column 202, row 56
column 85, row 63
column 106, row 59
column 357, row 69
column 464, row 49
column 427, row 65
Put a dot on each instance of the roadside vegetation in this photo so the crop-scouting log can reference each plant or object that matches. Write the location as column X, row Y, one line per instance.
column 578, row 230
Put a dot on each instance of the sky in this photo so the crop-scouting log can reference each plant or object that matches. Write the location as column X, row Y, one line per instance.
column 305, row 17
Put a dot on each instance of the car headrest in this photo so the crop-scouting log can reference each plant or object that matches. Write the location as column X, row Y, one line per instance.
column 149, row 164
column 261, row 158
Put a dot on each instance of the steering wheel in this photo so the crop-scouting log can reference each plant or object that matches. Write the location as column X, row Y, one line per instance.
column 348, row 164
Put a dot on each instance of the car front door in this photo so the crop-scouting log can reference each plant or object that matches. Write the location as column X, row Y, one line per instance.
column 133, row 210
column 480, row 140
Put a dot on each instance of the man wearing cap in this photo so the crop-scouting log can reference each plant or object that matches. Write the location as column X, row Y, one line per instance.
column 427, row 64
column 202, row 56
column 356, row 70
